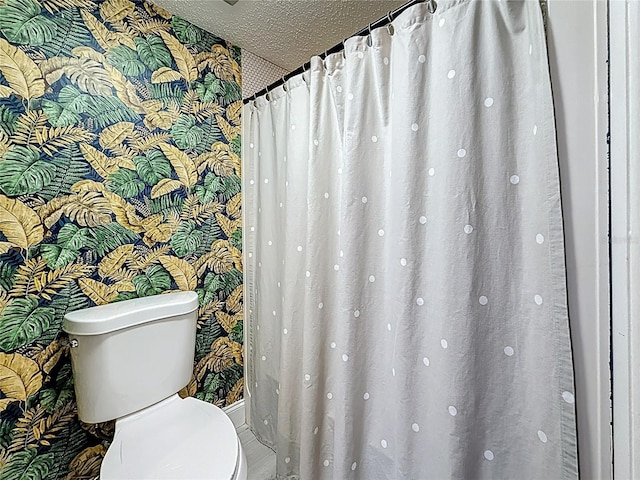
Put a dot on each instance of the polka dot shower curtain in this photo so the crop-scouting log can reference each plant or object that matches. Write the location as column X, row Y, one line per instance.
column 406, row 310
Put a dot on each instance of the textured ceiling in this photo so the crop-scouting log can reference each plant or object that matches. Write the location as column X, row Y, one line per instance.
column 285, row 32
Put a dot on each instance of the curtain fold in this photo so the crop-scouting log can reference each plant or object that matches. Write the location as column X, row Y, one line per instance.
column 406, row 311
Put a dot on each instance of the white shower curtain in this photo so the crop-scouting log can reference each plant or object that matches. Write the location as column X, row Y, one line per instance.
column 406, row 310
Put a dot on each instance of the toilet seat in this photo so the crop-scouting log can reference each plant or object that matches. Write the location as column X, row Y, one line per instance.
column 174, row 439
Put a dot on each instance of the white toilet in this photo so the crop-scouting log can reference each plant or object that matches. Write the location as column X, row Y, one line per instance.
column 129, row 361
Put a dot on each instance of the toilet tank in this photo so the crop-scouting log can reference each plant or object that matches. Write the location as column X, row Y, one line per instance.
column 129, row 355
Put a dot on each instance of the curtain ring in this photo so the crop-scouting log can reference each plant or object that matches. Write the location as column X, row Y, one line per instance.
column 432, row 6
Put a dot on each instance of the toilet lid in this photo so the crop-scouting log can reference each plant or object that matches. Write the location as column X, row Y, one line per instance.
column 174, row 439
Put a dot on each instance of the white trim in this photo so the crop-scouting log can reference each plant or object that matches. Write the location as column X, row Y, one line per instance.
column 235, row 412
column 577, row 34
column 624, row 22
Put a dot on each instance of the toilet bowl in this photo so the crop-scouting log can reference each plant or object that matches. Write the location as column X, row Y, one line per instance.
column 129, row 360
column 176, row 438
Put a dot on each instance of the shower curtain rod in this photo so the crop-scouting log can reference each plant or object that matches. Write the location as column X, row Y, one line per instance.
column 338, row 47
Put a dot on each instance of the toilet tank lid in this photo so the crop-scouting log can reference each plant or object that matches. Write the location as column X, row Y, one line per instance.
column 128, row 313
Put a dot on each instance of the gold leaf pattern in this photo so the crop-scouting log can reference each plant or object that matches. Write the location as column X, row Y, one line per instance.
column 222, row 258
column 114, row 135
column 5, row 91
column 220, row 159
column 165, row 74
column 4, row 144
column 122, row 27
column 227, row 225
column 53, row 6
column 27, row 125
column 115, row 10
column 98, row 292
column 139, row 261
column 161, row 232
column 86, row 73
column 19, row 224
column 228, row 321
column 5, row 247
column 182, row 272
column 153, row 25
column 205, row 312
column 24, row 284
column 105, row 38
column 235, row 394
column 224, row 353
column 113, row 261
column 164, row 186
column 51, row 427
column 37, row 428
column 49, row 283
column 234, row 300
column 183, row 58
column 163, row 119
column 50, row 140
column 124, row 286
column 20, row 71
column 234, row 112
column 234, row 206
column 20, row 378
column 229, row 131
column 122, row 275
column 4, row 300
column 150, row 141
column 49, row 357
column 154, row 9
column 201, row 212
column 88, row 52
column 125, row 89
column 124, row 212
column 125, row 162
column 87, row 463
column 220, row 63
column 88, row 186
column 182, row 164
column 87, row 209
column 23, row 429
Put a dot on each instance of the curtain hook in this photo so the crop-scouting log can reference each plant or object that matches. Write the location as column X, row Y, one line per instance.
column 369, row 39
column 284, row 84
column 432, row 6
column 324, row 60
column 390, row 28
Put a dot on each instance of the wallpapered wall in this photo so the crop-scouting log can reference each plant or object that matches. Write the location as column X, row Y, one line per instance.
column 119, row 178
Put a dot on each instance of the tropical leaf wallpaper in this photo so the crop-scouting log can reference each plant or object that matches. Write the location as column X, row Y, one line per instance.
column 119, row 178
